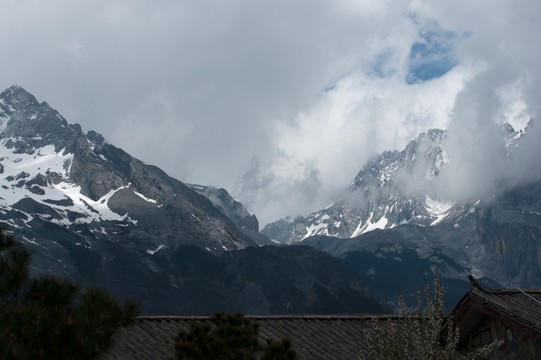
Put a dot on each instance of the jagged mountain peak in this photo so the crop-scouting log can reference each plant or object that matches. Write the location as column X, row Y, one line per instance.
column 91, row 212
column 391, row 218
column 53, row 176
column 18, row 97
column 388, row 191
column 392, row 190
column 387, row 168
column 426, row 140
column 511, row 137
column 33, row 125
column 233, row 209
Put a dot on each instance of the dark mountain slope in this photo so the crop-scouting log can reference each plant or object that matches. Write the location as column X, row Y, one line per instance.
column 91, row 212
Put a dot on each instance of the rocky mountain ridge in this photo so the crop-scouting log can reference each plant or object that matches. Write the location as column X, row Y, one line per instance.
column 247, row 223
column 498, row 240
column 389, row 216
column 391, row 189
column 384, row 194
column 78, row 179
column 91, row 212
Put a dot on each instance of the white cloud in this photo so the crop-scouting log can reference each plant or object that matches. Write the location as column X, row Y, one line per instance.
column 308, row 89
column 359, row 118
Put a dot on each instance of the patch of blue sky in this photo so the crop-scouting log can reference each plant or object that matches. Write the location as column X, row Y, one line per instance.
column 433, row 56
column 381, row 64
column 332, row 85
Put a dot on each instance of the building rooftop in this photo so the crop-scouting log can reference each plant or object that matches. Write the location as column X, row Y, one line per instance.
column 516, row 308
column 330, row 336
column 312, row 337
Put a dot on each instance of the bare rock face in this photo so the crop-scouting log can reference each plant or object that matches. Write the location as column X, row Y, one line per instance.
column 231, row 208
column 382, row 195
column 388, row 217
column 112, row 188
column 510, row 227
column 71, row 196
column 91, row 212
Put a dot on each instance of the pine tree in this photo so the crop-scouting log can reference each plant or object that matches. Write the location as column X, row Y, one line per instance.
column 228, row 337
column 418, row 335
column 279, row 350
column 51, row 318
column 14, row 260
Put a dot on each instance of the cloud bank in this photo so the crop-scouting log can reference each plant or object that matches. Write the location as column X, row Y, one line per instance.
column 282, row 102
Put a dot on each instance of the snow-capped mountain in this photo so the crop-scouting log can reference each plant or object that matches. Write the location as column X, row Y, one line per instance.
column 387, row 192
column 497, row 239
column 391, row 189
column 234, row 210
column 54, row 173
column 390, row 215
column 91, row 212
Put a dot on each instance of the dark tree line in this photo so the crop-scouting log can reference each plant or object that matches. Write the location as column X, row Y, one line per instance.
column 229, row 337
column 47, row 317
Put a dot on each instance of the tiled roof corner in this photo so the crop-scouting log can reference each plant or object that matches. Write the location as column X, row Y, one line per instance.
column 517, row 307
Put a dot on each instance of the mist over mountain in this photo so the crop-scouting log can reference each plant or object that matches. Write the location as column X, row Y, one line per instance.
column 396, row 135
column 77, row 179
column 417, row 185
column 401, row 212
column 386, row 192
column 247, row 223
column 91, row 212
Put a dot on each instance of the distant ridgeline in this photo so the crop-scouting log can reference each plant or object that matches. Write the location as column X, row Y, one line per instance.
column 91, row 212
column 392, row 229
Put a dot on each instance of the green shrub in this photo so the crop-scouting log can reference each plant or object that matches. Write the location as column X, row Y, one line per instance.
column 228, row 337
column 51, row 318
column 423, row 334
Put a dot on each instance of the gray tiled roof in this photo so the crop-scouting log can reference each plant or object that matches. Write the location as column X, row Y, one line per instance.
column 313, row 337
column 516, row 306
column 321, row 337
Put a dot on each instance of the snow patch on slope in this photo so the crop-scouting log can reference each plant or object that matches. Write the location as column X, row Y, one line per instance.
column 18, row 169
column 319, row 227
column 92, row 210
column 152, row 201
column 437, row 209
column 370, row 225
column 152, row 252
column 44, row 159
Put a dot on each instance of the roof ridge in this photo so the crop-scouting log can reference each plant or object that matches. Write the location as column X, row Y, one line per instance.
column 476, row 284
column 510, row 291
column 272, row 317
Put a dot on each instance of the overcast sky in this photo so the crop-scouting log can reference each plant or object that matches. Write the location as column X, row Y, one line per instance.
column 280, row 102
